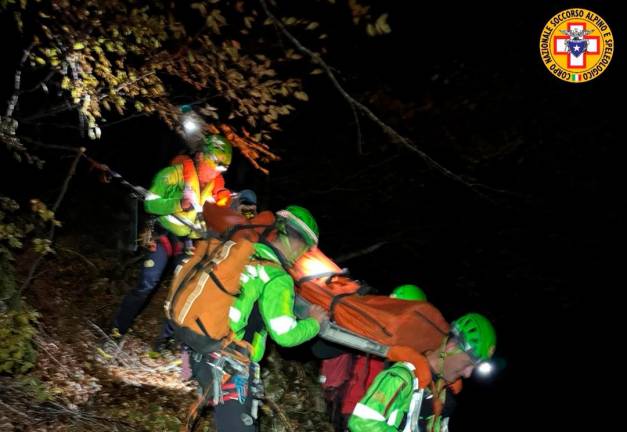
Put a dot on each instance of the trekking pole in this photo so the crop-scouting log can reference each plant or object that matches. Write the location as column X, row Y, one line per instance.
column 143, row 194
column 135, row 219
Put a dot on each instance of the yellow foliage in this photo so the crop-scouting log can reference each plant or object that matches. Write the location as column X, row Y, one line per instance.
column 123, row 54
column 301, row 95
column 17, row 352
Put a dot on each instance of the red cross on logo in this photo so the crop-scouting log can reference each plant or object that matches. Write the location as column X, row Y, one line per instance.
column 576, row 60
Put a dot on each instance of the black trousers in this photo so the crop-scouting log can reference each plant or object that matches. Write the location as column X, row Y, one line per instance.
column 232, row 416
column 153, row 268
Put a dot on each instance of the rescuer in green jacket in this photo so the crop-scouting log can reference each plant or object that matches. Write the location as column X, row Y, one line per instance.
column 265, row 307
column 395, row 402
column 176, row 196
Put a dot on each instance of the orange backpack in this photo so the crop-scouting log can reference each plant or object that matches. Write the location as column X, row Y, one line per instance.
column 203, row 290
column 205, row 286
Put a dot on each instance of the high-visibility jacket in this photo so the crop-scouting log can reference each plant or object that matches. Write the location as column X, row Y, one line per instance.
column 364, row 370
column 267, row 295
column 165, row 194
column 393, row 401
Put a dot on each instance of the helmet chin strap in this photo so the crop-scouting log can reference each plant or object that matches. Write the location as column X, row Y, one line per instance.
column 438, row 386
column 441, row 356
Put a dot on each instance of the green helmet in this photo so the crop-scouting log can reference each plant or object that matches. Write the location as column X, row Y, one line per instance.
column 219, row 150
column 476, row 336
column 300, row 219
column 409, row 292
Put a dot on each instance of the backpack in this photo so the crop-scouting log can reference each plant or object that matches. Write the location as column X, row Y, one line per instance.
column 364, row 370
column 204, row 287
column 202, row 293
column 336, row 371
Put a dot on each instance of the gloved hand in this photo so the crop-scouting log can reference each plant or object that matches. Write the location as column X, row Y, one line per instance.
column 146, row 238
column 223, row 198
column 318, row 313
column 189, row 197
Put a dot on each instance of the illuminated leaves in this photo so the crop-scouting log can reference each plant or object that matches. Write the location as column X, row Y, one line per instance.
column 215, row 21
column 120, row 57
column 11, row 233
column 17, row 329
column 379, row 27
column 300, row 95
column 361, row 14
column 45, row 214
column 42, row 246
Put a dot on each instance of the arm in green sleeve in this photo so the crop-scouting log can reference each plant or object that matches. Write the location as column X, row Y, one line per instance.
column 277, row 309
column 165, row 194
column 384, row 404
column 239, row 313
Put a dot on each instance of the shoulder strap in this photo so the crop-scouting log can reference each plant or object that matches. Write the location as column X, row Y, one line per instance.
column 202, row 264
column 260, row 261
column 235, row 228
column 409, row 375
column 395, row 371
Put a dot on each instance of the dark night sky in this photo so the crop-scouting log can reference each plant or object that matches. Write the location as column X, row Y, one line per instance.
column 536, row 260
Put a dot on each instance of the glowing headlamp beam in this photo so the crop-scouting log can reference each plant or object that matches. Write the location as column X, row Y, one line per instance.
column 190, row 125
column 485, row 368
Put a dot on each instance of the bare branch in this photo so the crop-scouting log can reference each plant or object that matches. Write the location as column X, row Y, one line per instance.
column 277, row 409
column 50, row 146
column 41, row 83
column 73, row 252
column 355, row 104
column 358, row 126
column 40, row 344
column 361, row 252
column 17, row 82
column 66, row 183
column 9, row 407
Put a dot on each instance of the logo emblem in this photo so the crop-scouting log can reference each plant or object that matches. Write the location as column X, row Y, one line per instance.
column 576, row 45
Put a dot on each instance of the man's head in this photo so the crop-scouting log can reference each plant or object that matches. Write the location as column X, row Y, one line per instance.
column 219, row 150
column 214, row 157
column 246, row 203
column 472, row 341
column 409, row 292
column 297, row 232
